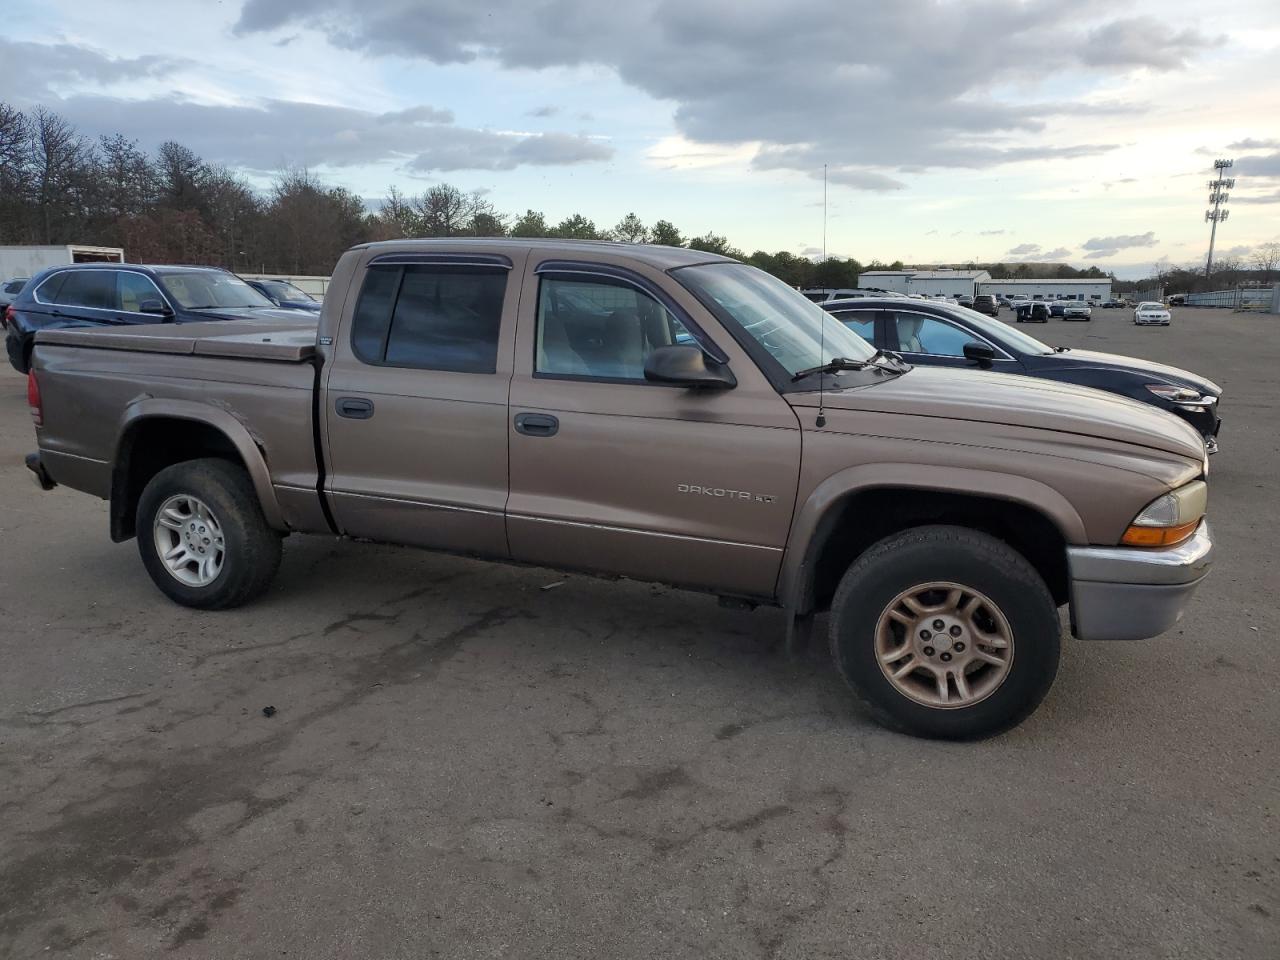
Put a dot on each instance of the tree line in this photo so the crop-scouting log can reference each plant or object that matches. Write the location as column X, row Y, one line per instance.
column 58, row 186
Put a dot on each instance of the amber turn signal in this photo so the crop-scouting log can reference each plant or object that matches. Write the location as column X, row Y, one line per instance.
column 1137, row 536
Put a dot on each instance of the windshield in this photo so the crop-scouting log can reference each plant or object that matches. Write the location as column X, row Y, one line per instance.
column 207, row 289
column 1152, row 306
column 282, row 290
column 1023, row 343
column 796, row 332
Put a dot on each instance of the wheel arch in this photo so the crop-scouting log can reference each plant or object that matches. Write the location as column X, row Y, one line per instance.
column 155, row 434
column 830, row 528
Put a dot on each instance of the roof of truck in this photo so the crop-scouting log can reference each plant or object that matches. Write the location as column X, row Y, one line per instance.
column 662, row 257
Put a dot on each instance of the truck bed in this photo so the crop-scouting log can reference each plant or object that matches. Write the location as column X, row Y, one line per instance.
column 274, row 340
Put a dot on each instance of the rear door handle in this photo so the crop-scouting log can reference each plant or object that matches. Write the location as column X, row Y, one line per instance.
column 354, row 408
column 537, row 424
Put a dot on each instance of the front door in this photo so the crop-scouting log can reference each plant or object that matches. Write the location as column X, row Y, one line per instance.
column 415, row 405
column 932, row 341
column 614, row 474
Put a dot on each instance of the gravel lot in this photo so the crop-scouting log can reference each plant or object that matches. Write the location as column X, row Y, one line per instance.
column 464, row 763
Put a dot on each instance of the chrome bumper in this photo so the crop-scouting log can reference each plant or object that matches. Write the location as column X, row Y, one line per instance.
column 1131, row 593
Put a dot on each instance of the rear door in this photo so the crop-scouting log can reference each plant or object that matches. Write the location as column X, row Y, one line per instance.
column 614, row 474
column 415, row 401
column 82, row 297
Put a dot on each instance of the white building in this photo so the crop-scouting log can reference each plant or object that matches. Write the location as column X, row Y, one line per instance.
column 946, row 283
column 1091, row 290
column 929, row 283
column 27, row 261
column 892, row 280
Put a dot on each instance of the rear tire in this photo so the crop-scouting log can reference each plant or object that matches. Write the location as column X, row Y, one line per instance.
column 202, row 536
column 984, row 671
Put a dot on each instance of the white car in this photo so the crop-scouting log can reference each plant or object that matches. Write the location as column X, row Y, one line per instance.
column 1076, row 310
column 1151, row 313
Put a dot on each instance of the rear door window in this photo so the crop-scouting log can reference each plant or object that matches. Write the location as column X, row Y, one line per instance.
column 431, row 316
column 95, row 289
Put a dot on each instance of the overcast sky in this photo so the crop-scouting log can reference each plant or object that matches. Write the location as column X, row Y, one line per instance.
column 1077, row 131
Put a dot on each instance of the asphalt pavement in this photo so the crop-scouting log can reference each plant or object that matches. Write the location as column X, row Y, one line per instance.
column 472, row 760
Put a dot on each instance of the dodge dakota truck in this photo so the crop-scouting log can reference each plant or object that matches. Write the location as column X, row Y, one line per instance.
column 650, row 412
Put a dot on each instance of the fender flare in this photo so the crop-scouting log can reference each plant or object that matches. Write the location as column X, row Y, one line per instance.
column 154, row 408
column 807, row 533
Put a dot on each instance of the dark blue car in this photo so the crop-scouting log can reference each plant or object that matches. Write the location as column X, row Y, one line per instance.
column 936, row 334
column 117, row 294
column 285, row 295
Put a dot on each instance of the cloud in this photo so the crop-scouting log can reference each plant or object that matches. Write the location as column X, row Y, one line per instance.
column 1058, row 253
column 735, row 73
column 1264, row 167
column 32, row 71
column 991, row 233
column 547, row 111
column 276, row 133
column 1273, row 197
column 1024, row 248
column 1124, row 242
column 1143, row 42
column 1251, row 144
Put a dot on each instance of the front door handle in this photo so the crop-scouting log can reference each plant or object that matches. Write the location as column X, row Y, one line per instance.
column 354, row 408
column 537, row 424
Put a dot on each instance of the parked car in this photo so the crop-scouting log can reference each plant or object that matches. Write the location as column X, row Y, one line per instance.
column 286, row 295
column 8, row 291
column 1031, row 311
column 1152, row 313
column 1057, row 308
column 1076, row 310
column 776, row 458
column 932, row 335
column 113, row 294
column 964, row 300
column 1112, row 304
column 985, row 303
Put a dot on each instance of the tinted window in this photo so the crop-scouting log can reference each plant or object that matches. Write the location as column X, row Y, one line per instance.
column 134, row 290
column 431, row 317
column 921, row 334
column 89, row 288
column 861, row 322
column 48, row 291
column 600, row 328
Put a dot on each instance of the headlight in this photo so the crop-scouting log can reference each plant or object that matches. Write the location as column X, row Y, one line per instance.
column 1183, row 396
column 1169, row 519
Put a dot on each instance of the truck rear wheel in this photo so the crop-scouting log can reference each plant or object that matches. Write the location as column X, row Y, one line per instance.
column 945, row 632
column 202, row 535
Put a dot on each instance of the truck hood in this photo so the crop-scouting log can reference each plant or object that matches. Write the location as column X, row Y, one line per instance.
column 998, row 398
column 1159, row 372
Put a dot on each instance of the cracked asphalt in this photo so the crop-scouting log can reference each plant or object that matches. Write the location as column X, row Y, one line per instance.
column 463, row 763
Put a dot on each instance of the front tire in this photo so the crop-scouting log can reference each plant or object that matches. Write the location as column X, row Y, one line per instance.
column 202, row 536
column 988, row 665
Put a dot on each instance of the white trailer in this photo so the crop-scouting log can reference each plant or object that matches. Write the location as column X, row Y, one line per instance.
column 28, row 261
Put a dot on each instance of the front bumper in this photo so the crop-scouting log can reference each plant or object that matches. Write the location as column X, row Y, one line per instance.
column 1131, row 593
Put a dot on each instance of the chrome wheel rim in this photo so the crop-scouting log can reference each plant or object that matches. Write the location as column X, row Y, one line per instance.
column 944, row 645
column 189, row 540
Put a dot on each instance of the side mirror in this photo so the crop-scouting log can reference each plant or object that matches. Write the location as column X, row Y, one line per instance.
column 980, row 353
column 686, row 365
column 158, row 307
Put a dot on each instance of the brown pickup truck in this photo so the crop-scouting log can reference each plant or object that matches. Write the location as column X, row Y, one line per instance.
column 656, row 413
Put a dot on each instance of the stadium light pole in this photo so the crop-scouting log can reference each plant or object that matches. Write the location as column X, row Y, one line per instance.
column 1217, row 196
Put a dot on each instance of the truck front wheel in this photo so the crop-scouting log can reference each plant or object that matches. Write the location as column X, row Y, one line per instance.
column 945, row 632
column 202, row 535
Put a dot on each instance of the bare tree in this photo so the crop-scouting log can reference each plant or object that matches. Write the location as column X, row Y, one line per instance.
column 15, row 138
column 1266, row 257
column 398, row 215
column 445, row 211
column 58, row 158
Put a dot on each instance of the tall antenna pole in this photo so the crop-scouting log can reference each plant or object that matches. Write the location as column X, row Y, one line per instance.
column 824, row 211
column 822, row 320
column 1217, row 196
